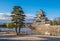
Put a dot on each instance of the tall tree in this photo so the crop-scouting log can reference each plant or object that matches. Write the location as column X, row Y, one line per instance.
column 18, row 17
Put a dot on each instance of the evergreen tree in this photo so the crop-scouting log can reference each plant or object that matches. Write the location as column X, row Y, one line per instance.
column 18, row 17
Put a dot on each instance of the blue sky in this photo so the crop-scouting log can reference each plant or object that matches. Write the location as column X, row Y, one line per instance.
column 30, row 7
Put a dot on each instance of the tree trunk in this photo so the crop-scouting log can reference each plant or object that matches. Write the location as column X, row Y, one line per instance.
column 19, row 29
column 16, row 29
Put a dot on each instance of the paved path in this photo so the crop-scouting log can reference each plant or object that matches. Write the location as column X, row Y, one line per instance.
column 30, row 38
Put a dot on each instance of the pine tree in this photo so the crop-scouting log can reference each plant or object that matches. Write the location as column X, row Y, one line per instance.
column 17, row 17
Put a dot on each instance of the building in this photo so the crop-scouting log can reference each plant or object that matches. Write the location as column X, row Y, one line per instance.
column 40, row 18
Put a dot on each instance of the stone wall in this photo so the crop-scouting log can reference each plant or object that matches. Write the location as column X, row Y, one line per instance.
column 47, row 29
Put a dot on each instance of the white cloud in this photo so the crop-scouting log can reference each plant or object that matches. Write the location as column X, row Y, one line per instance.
column 6, row 17
column 29, row 17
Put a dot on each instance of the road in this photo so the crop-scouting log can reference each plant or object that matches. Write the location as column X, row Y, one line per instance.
column 30, row 38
